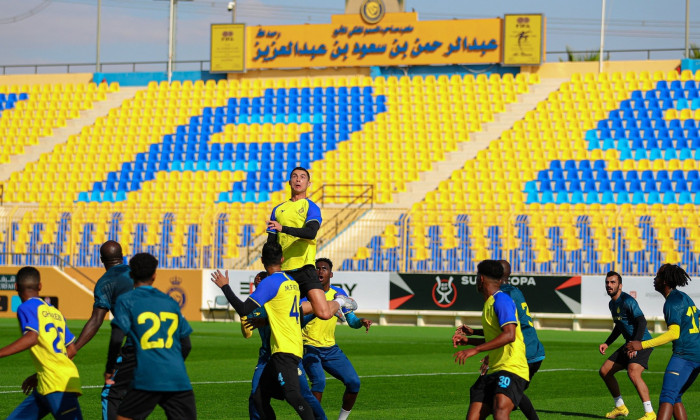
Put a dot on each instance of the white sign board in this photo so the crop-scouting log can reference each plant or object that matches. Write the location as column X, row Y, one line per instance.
column 370, row 289
column 594, row 299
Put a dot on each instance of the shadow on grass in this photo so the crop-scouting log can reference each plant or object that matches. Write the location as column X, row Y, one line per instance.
column 569, row 413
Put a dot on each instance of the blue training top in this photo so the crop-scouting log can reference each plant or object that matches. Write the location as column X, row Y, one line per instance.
column 534, row 350
column 154, row 321
column 680, row 309
column 624, row 310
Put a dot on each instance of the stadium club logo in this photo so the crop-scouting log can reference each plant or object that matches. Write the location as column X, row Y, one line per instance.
column 444, row 292
column 227, row 36
column 372, row 11
column 176, row 292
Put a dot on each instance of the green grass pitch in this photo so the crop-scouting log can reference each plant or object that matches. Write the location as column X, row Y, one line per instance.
column 407, row 373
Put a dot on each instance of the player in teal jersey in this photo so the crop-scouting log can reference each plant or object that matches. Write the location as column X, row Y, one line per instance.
column 113, row 283
column 681, row 316
column 500, row 391
column 154, row 322
column 55, row 387
column 632, row 325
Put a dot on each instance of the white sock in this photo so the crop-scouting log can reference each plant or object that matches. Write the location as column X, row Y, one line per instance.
column 343, row 414
column 647, row 407
column 619, row 402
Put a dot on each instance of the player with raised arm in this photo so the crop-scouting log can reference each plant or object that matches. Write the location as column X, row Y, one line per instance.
column 321, row 353
column 501, row 390
column 55, row 387
column 294, row 225
column 681, row 317
column 113, row 283
column 279, row 295
column 632, row 325
column 162, row 335
column 258, row 320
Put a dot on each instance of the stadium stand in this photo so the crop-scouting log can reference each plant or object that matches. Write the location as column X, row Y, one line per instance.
column 189, row 171
column 605, row 171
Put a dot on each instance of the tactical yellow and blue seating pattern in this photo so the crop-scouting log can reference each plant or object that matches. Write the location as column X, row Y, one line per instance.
column 190, row 171
column 602, row 175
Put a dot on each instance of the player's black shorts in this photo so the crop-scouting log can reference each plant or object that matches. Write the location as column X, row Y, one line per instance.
column 620, row 356
column 113, row 394
column 307, row 277
column 139, row 404
column 281, row 375
column 502, row 382
column 534, row 367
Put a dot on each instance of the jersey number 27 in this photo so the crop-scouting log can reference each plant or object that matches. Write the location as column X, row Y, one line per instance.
column 155, row 320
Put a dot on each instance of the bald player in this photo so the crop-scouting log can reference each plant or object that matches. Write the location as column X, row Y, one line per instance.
column 113, row 283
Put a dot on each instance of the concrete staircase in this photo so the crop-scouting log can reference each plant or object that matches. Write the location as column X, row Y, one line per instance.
column 467, row 150
column 60, row 135
column 374, row 221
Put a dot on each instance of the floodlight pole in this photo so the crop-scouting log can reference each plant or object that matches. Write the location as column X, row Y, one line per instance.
column 171, row 33
column 687, row 28
column 99, row 30
column 602, row 38
column 233, row 11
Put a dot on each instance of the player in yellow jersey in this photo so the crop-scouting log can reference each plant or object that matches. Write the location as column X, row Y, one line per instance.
column 499, row 391
column 294, row 225
column 279, row 295
column 321, row 353
column 55, row 387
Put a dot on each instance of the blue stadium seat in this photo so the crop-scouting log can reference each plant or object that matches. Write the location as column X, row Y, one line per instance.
column 622, row 198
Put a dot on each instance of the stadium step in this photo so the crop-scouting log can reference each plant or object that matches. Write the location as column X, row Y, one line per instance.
column 359, row 233
column 429, row 181
column 61, row 135
column 375, row 221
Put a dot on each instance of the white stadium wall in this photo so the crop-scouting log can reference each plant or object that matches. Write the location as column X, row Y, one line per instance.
column 594, row 300
column 557, row 302
column 370, row 289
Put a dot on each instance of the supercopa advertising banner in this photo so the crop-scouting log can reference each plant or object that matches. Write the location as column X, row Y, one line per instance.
column 457, row 292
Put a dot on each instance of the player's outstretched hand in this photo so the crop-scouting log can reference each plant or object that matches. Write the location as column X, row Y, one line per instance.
column 484, row 366
column 219, row 279
column 459, row 340
column 633, row 346
column 274, row 225
column 602, row 348
column 108, row 378
column 367, row 323
column 29, row 384
column 462, row 356
column 253, row 323
column 465, row 330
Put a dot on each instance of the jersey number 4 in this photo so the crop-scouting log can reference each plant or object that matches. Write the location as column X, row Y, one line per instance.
column 692, row 311
column 155, row 320
column 294, row 313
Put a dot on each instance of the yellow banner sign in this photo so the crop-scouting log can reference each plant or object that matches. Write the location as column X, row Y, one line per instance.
column 523, row 39
column 227, row 53
column 399, row 39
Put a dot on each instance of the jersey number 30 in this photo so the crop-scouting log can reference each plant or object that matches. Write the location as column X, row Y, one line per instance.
column 155, row 319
